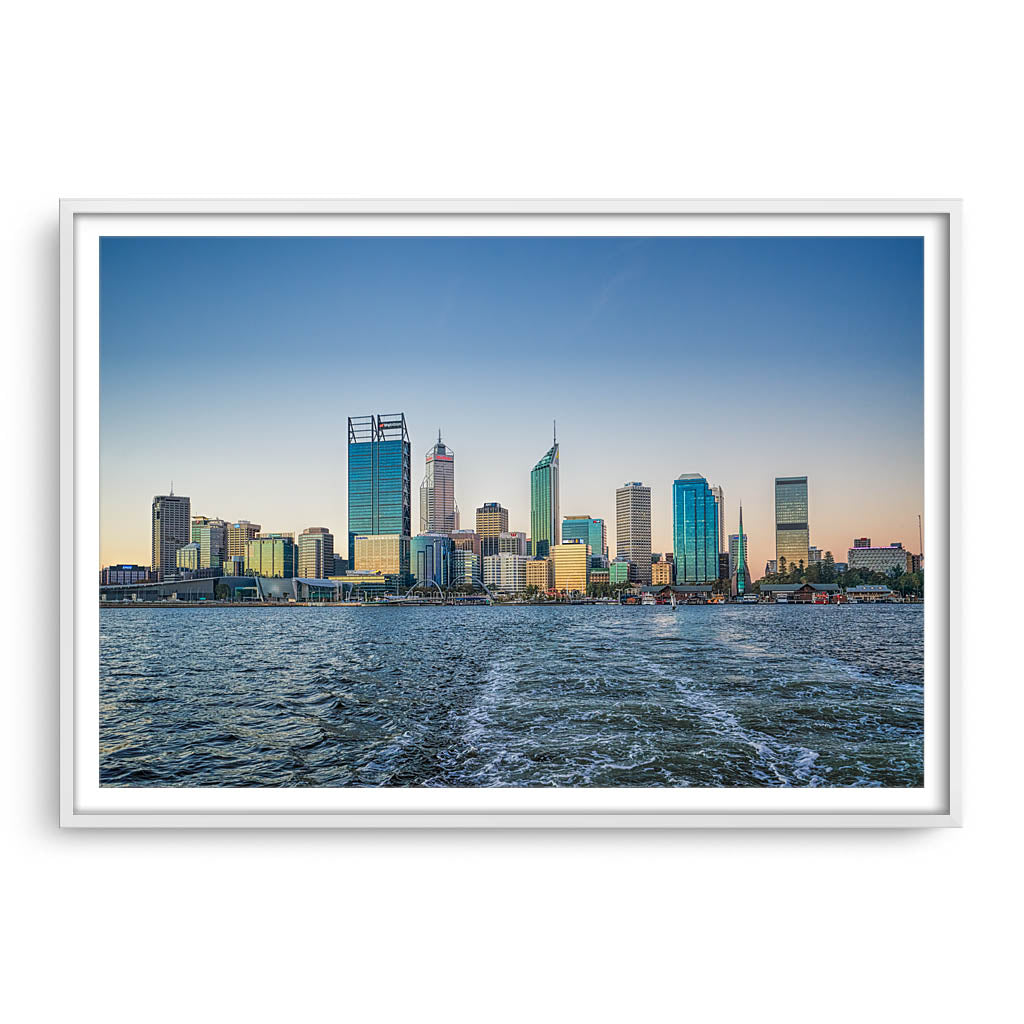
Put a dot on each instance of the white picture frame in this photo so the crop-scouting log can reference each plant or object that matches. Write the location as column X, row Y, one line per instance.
column 84, row 804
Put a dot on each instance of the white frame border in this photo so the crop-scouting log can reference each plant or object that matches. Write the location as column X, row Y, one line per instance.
column 70, row 816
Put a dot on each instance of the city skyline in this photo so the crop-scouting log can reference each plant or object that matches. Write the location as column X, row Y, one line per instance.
column 750, row 316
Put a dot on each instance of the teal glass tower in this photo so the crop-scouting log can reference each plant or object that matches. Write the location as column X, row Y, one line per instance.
column 545, row 520
column 590, row 531
column 379, row 477
column 694, row 529
column 740, row 582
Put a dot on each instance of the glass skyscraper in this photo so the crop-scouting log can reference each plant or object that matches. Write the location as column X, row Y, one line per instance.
column 379, row 475
column 792, row 534
column 694, row 529
column 590, row 531
column 431, row 559
column 545, row 517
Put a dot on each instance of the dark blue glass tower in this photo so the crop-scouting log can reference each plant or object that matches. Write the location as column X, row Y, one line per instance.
column 379, row 477
column 694, row 529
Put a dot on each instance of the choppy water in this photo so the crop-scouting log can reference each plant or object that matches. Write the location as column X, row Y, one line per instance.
column 512, row 696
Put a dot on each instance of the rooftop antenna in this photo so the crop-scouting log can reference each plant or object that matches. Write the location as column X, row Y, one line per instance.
column 554, row 432
column 172, row 489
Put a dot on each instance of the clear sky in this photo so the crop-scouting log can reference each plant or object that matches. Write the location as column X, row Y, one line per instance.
column 230, row 366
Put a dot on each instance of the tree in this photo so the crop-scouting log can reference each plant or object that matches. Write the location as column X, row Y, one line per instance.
column 531, row 592
column 222, row 592
column 781, row 567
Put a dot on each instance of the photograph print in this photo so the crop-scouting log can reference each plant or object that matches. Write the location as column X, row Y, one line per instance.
column 506, row 511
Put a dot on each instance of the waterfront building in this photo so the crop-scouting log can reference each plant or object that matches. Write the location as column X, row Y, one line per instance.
column 540, row 573
column 212, row 538
column 238, row 536
column 545, row 515
column 431, row 559
column 187, row 557
column 694, row 529
column 171, row 529
column 734, row 548
column 316, row 553
column 895, row 556
column 466, row 540
column 271, row 554
column 792, row 533
column 633, row 527
column 868, row 593
column 720, row 502
column 739, row 578
column 661, row 573
column 600, row 576
column 621, row 570
column 379, row 478
column 491, row 522
column 505, row 572
column 121, row 575
column 233, row 565
column 572, row 566
column 512, row 542
column 591, row 531
column 800, row 593
column 437, row 492
column 465, row 567
column 386, row 553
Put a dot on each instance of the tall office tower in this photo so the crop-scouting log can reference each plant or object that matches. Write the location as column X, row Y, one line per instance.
column 431, row 559
column 212, row 537
column 271, row 554
column 466, row 540
column 437, row 492
column 379, row 478
column 739, row 578
column 792, row 535
column 734, row 543
column 545, row 517
column 491, row 521
column 590, row 531
column 316, row 553
column 239, row 534
column 633, row 527
column 723, row 545
column 694, row 529
column 172, row 521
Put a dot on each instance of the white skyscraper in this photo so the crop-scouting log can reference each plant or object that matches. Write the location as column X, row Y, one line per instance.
column 633, row 527
column 437, row 492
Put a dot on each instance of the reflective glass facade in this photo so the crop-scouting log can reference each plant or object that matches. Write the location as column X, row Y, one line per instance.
column 271, row 554
column 545, row 516
column 431, row 559
column 379, row 477
column 694, row 530
column 792, row 533
column 590, row 531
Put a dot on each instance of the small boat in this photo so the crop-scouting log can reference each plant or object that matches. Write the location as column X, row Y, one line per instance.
column 648, row 599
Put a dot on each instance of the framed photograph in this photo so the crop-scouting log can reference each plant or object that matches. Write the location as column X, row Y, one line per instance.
column 509, row 514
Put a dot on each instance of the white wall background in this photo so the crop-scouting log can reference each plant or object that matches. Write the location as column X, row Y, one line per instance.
column 531, row 99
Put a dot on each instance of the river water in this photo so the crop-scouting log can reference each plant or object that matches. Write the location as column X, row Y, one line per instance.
column 767, row 695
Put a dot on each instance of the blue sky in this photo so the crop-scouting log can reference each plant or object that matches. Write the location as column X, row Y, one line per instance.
column 230, row 365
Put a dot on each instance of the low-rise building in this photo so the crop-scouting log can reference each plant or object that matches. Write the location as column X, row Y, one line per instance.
column 387, row 553
column 113, row 575
column 572, row 566
column 505, row 572
column 661, row 573
column 621, row 570
column 540, row 574
column 800, row 593
column 689, row 593
column 869, row 593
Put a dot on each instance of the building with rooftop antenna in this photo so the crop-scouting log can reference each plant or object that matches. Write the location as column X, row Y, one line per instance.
column 171, row 520
column 545, row 513
column 437, row 492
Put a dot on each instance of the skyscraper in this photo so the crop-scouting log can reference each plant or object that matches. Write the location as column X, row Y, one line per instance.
column 590, row 531
column 172, row 521
column 695, row 530
column 491, row 522
column 739, row 577
column 316, row 553
column 379, row 477
column 545, row 516
column 792, row 534
column 238, row 536
column 633, row 527
column 211, row 536
column 734, row 544
column 431, row 559
column 437, row 492
column 720, row 501
column 271, row 554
